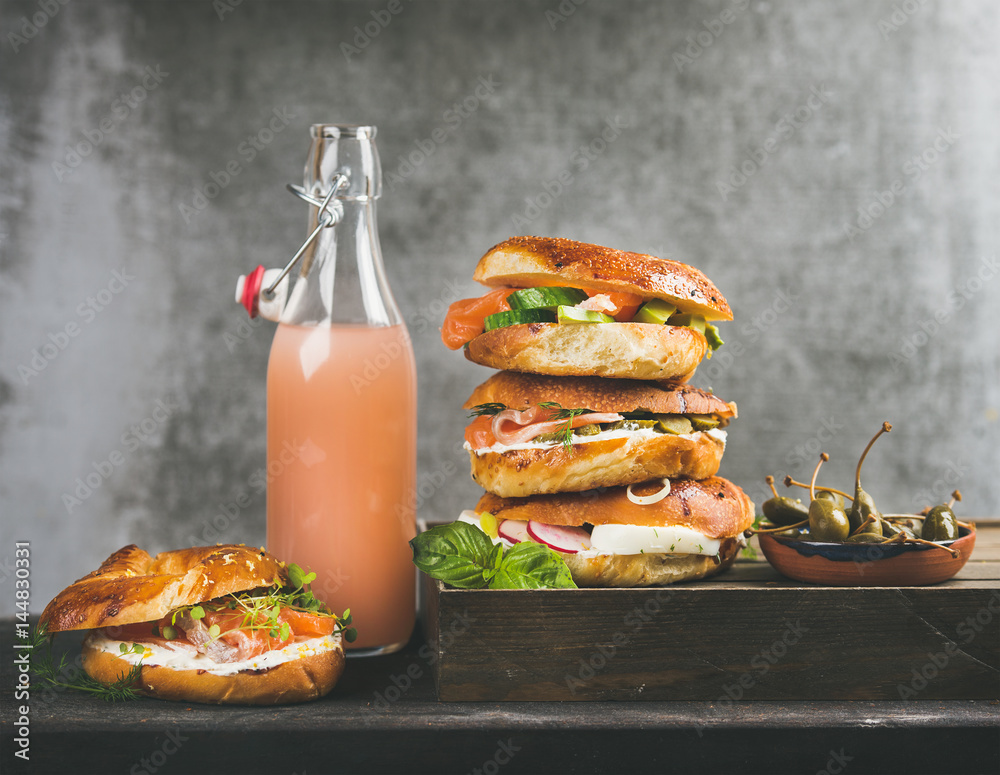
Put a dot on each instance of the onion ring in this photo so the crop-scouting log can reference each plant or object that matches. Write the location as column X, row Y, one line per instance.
column 648, row 500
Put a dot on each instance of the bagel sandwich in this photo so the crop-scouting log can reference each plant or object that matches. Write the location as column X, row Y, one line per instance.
column 569, row 308
column 534, row 434
column 214, row 624
column 657, row 533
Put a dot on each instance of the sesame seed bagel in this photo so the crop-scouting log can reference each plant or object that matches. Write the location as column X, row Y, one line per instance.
column 617, row 350
column 522, row 262
column 714, row 507
column 131, row 586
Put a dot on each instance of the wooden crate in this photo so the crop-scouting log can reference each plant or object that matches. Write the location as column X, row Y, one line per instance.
column 748, row 634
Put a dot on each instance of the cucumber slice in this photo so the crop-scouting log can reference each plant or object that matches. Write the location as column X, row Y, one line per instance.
column 517, row 316
column 697, row 322
column 654, row 311
column 545, row 298
column 577, row 315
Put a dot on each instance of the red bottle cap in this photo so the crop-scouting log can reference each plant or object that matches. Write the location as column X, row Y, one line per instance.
column 251, row 291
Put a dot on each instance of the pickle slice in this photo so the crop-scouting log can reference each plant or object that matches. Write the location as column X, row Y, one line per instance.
column 675, row 424
column 703, row 422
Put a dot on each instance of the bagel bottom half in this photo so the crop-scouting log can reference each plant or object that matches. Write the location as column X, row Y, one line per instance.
column 619, row 350
column 628, row 459
column 299, row 680
column 648, row 570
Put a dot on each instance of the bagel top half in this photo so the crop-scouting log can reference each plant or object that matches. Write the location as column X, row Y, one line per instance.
column 714, row 507
column 516, row 390
column 131, row 586
column 522, row 262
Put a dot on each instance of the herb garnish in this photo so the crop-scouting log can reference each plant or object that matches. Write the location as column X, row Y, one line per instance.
column 487, row 409
column 261, row 610
column 66, row 676
column 559, row 413
column 460, row 554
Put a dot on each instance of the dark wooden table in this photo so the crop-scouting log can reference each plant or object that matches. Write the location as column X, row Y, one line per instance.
column 384, row 718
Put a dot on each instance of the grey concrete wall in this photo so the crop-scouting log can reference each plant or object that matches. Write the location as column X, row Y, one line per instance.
column 842, row 319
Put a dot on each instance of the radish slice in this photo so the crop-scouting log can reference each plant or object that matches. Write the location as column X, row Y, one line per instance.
column 514, row 530
column 568, row 540
column 647, row 500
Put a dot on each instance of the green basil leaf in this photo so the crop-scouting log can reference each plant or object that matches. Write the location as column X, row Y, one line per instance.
column 529, row 565
column 457, row 554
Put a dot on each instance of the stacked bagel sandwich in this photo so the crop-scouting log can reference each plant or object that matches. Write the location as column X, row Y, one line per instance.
column 589, row 439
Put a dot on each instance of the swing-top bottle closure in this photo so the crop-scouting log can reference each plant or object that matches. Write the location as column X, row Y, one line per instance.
column 264, row 292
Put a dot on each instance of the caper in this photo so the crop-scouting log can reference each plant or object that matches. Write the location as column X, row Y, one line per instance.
column 829, row 495
column 781, row 510
column 940, row 524
column 827, row 522
column 863, row 505
column 784, row 511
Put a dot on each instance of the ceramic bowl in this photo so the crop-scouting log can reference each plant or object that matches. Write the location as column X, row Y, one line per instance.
column 866, row 565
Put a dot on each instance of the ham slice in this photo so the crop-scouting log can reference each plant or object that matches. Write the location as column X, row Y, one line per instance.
column 513, row 427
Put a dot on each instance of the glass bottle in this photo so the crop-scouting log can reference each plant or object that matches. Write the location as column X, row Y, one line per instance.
column 342, row 406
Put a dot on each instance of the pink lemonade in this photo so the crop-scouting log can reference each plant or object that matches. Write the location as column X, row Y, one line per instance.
column 341, row 441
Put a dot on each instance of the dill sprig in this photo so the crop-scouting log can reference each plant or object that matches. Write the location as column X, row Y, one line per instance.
column 559, row 412
column 490, row 410
column 46, row 669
